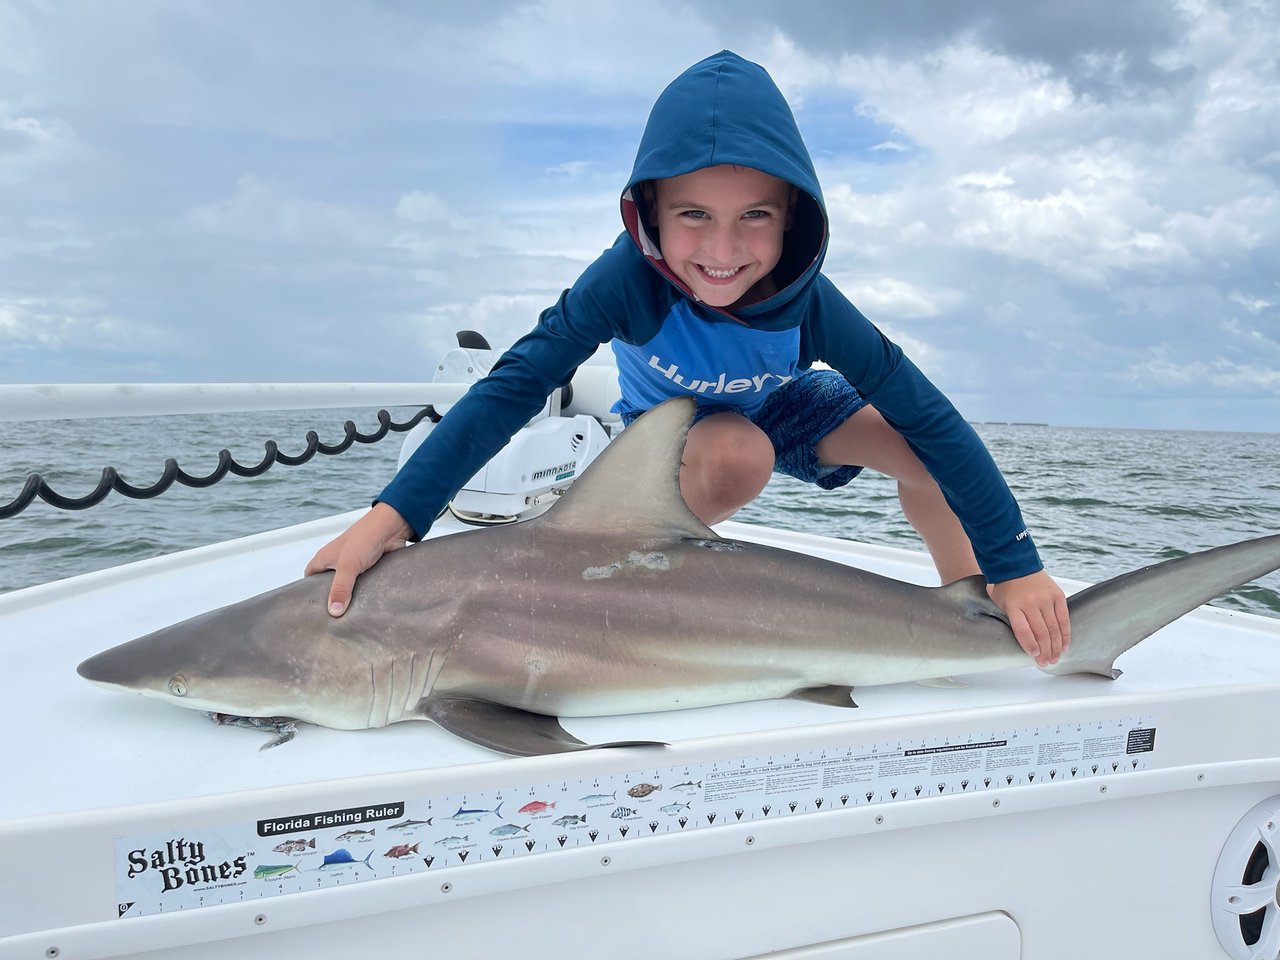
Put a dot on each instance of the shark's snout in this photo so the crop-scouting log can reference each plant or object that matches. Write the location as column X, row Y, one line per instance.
column 114, row 667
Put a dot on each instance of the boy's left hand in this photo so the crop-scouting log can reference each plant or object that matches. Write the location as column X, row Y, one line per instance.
column 1037, row 612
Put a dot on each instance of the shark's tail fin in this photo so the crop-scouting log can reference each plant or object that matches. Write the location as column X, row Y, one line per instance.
column 1109, row 618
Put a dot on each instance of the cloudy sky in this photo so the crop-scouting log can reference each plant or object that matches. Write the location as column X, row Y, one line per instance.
column 1064, row 212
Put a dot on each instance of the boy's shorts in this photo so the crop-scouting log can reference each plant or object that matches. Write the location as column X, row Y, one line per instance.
column 795, row 417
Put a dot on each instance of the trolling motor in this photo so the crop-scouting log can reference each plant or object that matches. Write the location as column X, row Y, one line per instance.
column 545, row 456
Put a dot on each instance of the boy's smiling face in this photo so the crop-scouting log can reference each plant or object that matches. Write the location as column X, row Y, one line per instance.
column 721, row 231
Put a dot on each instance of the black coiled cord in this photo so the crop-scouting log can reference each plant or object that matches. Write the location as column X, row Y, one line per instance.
column 111, row 480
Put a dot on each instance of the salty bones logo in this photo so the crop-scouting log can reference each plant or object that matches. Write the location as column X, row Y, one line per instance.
column 181, row 862
column 721, row 384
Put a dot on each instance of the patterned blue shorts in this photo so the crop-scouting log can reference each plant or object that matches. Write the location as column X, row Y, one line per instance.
column 795, row 417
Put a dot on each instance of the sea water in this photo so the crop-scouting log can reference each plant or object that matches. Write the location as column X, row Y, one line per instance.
column 1099, row 502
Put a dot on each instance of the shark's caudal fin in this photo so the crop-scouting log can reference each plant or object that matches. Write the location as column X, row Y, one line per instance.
column 1109, row 618
column 635, row 482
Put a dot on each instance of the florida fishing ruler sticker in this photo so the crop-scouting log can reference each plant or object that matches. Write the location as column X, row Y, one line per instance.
column 313, row 850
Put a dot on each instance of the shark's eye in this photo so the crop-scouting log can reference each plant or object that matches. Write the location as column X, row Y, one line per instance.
column 178, row 685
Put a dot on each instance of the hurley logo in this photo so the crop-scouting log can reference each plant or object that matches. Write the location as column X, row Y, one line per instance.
column 720, row 384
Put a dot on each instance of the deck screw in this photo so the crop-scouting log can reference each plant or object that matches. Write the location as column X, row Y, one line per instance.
column 605, row 861
column 1103, row 788
column 995, row 803
column 52, row 953
column 879, row 819
column 750, row 841
column 1200, row 777
column 446, row 887
column 260, row 919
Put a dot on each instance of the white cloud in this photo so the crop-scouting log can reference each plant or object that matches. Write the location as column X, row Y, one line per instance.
column 34, row 146
column 17, row 133
column 894, row 298
column 422, row 207
column 64, row 323
column 959, row 98
column 1159, row 374
column 264, row 211
column 1252, row 304
column 571, row 169
column 983, row 180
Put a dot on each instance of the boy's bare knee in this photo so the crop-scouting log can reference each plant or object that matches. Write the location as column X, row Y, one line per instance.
column 728, row 441
column 727, row 462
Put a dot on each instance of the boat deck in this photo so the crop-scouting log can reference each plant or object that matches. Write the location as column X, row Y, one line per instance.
column 108, row 784
column 139, row 750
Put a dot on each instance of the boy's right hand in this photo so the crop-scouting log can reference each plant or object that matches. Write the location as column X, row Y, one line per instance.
column 351, row 553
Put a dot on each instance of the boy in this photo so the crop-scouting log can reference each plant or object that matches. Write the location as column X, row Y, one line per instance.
column 714, row 290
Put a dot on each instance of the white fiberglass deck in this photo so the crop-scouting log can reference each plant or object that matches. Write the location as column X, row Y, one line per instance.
column 140, row 750
column 90, row 774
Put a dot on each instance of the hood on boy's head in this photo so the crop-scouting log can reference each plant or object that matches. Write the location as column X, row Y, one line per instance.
column 727, row 110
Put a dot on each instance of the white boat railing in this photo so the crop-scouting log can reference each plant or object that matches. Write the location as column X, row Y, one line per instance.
column 74, row 401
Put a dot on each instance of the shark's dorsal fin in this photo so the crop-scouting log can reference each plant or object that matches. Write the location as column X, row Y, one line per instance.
column 635, row 483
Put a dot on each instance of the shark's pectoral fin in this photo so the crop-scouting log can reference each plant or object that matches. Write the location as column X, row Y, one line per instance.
column 283, row 727
column 510, row 729
column 832, row 695
column 943, row 683
column 1104, row 667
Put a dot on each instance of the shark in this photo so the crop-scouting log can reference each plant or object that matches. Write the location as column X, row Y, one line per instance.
column 619, row 600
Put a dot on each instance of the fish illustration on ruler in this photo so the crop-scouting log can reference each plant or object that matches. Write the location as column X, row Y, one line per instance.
column 271, row 871
column 342, row 857
column 536, row 807
column 466, row 815
column 401, row 850
column 408, row 824
column 508, row 830
column 295, row 846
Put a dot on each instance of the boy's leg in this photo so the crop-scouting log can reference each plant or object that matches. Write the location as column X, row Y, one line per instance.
column 727, row 462
column 866, row 440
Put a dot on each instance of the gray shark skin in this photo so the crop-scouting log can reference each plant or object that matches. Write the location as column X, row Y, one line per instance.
column 617, row 601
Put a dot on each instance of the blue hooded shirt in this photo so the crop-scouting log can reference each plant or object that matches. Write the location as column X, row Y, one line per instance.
column 722, row 110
